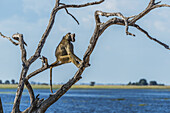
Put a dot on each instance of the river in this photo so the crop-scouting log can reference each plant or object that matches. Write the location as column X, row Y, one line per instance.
column 98, row 100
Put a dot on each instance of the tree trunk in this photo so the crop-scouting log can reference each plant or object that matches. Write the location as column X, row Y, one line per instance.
column 1, row 109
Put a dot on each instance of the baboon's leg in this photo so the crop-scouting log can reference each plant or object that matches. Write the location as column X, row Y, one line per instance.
column 70, row 58
column 77, row 58
column 73, row 59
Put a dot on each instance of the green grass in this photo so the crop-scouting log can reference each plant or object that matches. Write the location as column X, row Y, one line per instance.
column 4, row 86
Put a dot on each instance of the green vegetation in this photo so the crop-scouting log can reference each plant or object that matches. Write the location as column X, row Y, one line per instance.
column 143, row 82
column 12, row 86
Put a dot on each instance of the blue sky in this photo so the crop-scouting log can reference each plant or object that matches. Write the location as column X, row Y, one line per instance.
column 117, row 58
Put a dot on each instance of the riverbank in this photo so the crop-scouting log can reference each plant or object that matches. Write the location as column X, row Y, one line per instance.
column 4, row 86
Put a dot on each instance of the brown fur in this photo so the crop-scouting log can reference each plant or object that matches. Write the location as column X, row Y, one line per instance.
column 65, row 54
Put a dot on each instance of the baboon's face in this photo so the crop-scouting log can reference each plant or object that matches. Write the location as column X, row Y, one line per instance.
column 70, row 37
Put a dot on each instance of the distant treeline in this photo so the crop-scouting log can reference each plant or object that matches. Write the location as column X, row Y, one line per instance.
column 39, row 83
column 8, row 82
column 143, row 82
column 13, row 82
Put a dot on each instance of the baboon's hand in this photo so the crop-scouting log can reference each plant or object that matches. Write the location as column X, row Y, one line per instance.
column 87, row 65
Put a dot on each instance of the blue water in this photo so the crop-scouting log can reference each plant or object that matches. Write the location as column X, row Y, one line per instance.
column 98, row 101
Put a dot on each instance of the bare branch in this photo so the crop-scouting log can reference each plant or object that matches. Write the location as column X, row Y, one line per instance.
column 50, row 25
column 82, row 5
column 19, row 90
column 69, row 13
column 114, row 14
column 30, row 90
column 9, row 39
column 99, row 29
column 157, row 3
column 162, row 5
column 120, row 22
column 53, row 98
column 19, row 37
column 154, row 39
column 97, row 32
column 37, row 71
column 152, row 5
column 45, row 35
column 26, row 64
column 72, row 16
column 62, row 4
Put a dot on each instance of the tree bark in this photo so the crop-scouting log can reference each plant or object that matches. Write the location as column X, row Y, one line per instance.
column 41, row 105
column 1, row 108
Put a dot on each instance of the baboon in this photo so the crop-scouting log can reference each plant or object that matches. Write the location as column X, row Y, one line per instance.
column 64, row 54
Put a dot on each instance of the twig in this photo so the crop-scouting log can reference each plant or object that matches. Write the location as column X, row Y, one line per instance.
column 157, row 3
column 147, row 34
column 82, row 5
column 72, row 16
column 19, row 37
column 9, row 39
column 152, row 5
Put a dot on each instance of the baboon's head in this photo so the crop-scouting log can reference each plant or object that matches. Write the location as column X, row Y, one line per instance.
column 70, row 37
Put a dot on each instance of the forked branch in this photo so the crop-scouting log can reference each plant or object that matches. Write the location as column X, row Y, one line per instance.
column 42, row 105
column 99, row 29
column 15, row 43
column 51, row 22
column 72, row 16
column 152, row 5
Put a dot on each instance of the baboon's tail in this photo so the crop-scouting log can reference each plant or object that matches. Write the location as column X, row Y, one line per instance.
column 56, row 63
column 51, row 79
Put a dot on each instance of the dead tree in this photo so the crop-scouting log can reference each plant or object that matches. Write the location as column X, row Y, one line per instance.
column 40, row 105
column 1, row 108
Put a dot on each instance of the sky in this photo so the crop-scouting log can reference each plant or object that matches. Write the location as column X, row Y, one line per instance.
column 117, row 58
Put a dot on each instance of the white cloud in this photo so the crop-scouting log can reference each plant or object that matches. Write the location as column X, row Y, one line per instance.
column 119, row 5
column 157, row 20
column 17, row 23
column 110, row 5
column 63, row 29
column 161, row 26
column 38, row 6
column 162, row 13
